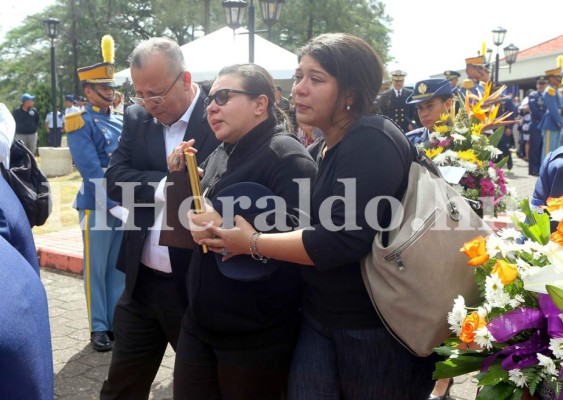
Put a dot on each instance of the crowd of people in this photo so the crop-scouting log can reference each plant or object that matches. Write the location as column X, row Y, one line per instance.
column 254, row 309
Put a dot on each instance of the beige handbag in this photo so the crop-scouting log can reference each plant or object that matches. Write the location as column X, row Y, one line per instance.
column 414, row 280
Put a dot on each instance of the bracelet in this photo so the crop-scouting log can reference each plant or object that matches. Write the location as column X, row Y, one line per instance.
column 254, row 250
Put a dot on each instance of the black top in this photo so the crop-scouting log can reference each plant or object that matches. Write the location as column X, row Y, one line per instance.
column 232, row 314
column 26, row 121
column 375, row 158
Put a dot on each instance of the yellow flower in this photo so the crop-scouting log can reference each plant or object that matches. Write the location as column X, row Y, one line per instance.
column 476, row 129
column 554, row 204
column 476, row 250
column 468, row 155
column 444, row 117
column 469, row 325
column 441, row 128
column 431, row 153
column 505, row 271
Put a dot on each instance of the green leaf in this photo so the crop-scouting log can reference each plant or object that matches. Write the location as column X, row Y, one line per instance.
column 494, row 375
column 502, row 162
column 556, row 294
column 460, row 365
column 517, row 395
column 495, row 138
column 502, row 391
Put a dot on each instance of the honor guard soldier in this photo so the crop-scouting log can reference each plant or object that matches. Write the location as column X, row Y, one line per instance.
column 536, row 105
column 393, row 103
column 478, row 73
column 453, row 77
column 432, row 98
column 93, row 136
column 552, row 122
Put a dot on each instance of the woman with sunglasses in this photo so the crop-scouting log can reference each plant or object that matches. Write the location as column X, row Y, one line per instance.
column 238, row 336
column 343, row 350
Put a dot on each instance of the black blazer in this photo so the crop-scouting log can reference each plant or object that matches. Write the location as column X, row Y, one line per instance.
column 141, row 158
column 397, row 108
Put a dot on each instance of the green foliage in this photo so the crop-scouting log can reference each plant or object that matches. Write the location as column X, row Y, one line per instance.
column 465, row 362
column 556, row 294
column 502, row 391
column 494, row 375
column 538, row 227
column 25, row 51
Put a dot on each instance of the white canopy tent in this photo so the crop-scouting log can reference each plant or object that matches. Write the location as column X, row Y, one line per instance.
column 204, row 57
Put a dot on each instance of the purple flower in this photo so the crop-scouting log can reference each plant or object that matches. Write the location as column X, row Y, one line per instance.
column 487, row 187
column 446, row 142
column 468, row 182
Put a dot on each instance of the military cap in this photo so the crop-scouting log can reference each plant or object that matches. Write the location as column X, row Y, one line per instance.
column 553, row 72
column 542, row 79
column 27, row 96
column 450, row 75
column 478, row 61
column 398, row 75
column 101, row 73
column 430, row 88
column 69, row 97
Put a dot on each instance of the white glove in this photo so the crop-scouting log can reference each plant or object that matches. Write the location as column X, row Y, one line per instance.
column 120, row 213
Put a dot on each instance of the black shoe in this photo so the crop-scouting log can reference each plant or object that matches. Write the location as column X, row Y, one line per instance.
column 100, row 341
column 534, row 173
column 110, row 336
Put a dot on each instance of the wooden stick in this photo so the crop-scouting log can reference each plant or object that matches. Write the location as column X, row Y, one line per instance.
column 193, row 178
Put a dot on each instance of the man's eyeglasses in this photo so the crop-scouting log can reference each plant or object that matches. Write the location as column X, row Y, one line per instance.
column 222, row 96
column 155, row 100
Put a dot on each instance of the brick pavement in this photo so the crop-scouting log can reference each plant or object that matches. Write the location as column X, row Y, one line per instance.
column 80, row 371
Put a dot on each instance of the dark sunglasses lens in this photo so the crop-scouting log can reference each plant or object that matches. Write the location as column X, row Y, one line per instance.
column 221, row 97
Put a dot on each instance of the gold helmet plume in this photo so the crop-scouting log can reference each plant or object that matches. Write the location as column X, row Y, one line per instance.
column 108, row 52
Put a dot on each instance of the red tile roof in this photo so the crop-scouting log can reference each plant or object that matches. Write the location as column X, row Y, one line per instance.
column 550, row 46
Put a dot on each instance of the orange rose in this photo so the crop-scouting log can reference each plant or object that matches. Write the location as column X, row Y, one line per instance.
column 469, row 325
column 557, row 236
column 476, row 250
column 554, row 203
column 505, row 271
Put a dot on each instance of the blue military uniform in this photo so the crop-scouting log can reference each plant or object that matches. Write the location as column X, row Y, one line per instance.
column 93, row 136
column 425, row 90
column 551, row 123
column 536, row 105
column 26, row 356
column 550, row 181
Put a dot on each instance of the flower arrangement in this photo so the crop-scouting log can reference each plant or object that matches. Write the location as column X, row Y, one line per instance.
column 515, row 336
column 460, row 139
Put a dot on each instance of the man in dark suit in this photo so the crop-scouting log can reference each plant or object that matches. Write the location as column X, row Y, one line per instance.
column 167, row 114
column 393, row 103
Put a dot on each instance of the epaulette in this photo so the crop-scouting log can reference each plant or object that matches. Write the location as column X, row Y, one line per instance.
column 468, row 84
column 74, row 122
column 551, row 91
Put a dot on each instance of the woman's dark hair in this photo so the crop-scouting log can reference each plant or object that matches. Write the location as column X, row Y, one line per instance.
column 353, row 62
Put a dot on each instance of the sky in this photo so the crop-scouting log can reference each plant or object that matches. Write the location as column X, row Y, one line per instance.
column 429, row 36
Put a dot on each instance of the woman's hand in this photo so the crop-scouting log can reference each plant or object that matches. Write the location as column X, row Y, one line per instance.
column 176, row 160
column 199, row 223
column 230, row 242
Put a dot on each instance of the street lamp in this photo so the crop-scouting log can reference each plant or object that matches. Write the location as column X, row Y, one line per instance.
column 60, row 74
column 52, row 28
column 234, row 12
column 510, row 52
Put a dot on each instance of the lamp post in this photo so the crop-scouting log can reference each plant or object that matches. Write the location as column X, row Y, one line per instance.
column 60, row 74
column 52, row 28
column 235, row 9
column 510, row 52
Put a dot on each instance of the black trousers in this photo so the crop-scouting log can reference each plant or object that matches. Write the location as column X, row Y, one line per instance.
column 143, row 325
column 203, row 372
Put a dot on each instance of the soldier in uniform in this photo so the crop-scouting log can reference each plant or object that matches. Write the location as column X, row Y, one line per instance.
column 537, row 110
column 93, row 136
column 551, row 123
column 453, row 77
column 479, row 74
column 432, row 97
column 393, row 103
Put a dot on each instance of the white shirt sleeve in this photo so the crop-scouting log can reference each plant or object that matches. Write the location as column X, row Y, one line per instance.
column 7, row 132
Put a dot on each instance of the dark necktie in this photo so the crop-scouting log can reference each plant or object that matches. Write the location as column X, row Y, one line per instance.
column 398, row 93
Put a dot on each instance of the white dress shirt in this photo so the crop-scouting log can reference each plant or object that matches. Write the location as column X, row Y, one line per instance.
column 154, row 255
column 7, row 131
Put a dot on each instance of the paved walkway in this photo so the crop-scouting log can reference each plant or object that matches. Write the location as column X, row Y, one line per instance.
column 80, row 371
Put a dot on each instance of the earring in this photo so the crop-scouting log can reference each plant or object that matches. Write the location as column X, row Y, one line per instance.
column 347, row 107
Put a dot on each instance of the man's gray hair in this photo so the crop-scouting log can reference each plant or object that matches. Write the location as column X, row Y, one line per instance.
column 158, row 45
